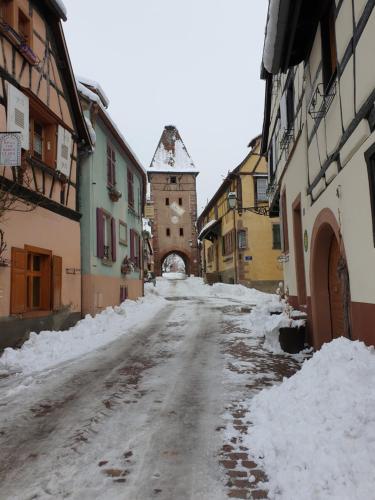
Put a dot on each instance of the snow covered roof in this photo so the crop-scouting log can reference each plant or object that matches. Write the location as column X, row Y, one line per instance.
column 171, row 154
column 59, row 7
column 91, row 88
column 205, row 229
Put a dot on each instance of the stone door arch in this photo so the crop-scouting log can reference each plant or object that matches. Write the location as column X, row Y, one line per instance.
column 183, row 256
column 329, row 277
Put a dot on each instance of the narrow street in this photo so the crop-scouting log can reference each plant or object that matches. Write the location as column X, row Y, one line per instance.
column 155, row 414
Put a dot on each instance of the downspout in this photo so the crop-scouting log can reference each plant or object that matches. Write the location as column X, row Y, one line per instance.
column 235, row 247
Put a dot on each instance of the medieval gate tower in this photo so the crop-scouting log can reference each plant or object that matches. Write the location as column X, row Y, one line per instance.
column 173, row 202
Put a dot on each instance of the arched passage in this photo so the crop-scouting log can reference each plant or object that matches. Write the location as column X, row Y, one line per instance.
column 330, row 289
column 167, row 257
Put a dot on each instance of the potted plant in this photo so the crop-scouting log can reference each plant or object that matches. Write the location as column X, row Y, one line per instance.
column 292, row 336
column 114, row 194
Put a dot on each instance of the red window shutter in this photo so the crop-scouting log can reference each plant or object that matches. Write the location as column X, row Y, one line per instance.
column 113, row 239
column 99, row 233
column 56, row 282
column 113, row 167
column 18, row 281
column 131, row 244
column 139, row 251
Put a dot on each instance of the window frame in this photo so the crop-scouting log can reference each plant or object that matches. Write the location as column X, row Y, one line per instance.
column 240, row 232
column 329, row 48
column 122, row 224
column 276, row 245
column 173, row 179
column 256, row 179
column 181, row 231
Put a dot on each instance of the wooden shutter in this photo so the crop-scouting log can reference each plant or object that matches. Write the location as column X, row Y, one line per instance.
column 130, row 189
column 18, row 114
column 139, row 251
column 113, row 239
column 18, row 301
column 56, row 282
column 64, row 151
column 99, row 233
column 284, row 112
column 132, row 244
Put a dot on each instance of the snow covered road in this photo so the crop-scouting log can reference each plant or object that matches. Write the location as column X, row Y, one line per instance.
column 136, row 419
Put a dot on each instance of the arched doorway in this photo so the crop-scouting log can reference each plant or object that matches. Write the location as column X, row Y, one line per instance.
column 175, row 262
column 330, row 289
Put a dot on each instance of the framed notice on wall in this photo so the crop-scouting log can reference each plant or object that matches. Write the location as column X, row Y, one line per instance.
column 10, row 149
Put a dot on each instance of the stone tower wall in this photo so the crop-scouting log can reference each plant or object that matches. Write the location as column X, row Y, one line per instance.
column 175, row 209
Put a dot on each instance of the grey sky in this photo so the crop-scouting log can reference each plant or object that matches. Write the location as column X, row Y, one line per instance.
column 191, row 63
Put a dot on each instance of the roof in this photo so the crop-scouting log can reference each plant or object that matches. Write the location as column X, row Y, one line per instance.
column 92, row 87
column 58, row 8
column 226, row 182
column 290, row 30
column 171, row 154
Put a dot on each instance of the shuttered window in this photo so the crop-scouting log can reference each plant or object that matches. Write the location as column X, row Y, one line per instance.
column 18, row 114
column 36, row 280
column 276, row 237
column 228, row 242
column 261, row 185
column 64, row 151
column 135, row 248
column 106, row 240
column 284, row 218
column 242, row 239
column 130, row 189
column 111, row 166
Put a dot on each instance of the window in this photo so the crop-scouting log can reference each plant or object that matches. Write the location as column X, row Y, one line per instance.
column 261, row 184
column 284, row 219
column 173, row 180
column 168, row 231
column 167, row 201
column 228, row 242
column 329, row 52
column 36, row 277
column 290, row 103
column 276, row 237
column 106, row 236
column 181, row 231
column 210, row 254
column 43, row 140
column 135, row 248
column 130, row 188
column 111, row 166
column 122, row 232
column 180, row 201
column 24, row 27
column 242, row 239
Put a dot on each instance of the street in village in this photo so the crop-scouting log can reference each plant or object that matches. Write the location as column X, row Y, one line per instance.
column 157, row 413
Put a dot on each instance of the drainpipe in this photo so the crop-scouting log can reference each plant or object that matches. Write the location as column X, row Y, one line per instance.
column 235, row 246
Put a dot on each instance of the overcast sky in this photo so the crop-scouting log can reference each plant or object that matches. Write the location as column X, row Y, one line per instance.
column 191, row 63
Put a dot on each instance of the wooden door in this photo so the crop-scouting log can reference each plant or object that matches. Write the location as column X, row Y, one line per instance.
column 336, row 295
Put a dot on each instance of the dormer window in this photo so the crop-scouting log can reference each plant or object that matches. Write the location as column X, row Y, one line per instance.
column 173, row 179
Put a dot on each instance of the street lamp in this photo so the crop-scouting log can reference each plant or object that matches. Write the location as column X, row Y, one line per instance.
column 232, row 200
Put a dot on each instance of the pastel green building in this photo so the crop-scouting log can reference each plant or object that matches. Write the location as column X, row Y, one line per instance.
column 112, row 188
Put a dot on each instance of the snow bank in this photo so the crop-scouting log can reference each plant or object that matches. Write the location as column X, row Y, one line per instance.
column 49, row 348
column 315, row 433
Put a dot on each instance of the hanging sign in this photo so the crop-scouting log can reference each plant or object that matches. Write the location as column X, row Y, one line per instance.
column 10, row 149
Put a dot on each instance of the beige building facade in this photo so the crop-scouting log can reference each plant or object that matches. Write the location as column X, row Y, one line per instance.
column 319, row 136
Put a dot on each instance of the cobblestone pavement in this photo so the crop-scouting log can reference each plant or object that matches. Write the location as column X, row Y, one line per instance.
column 250, row 368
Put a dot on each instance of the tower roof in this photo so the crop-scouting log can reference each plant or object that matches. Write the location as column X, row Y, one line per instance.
column 171, row 154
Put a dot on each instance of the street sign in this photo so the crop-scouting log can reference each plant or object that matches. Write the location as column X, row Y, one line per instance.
column 10, row 149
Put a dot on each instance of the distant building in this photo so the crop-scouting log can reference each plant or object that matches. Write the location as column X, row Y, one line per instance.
column 40, row 262
column 173, row 202
column 242, row 245
column 319, row 136
column 112, row 196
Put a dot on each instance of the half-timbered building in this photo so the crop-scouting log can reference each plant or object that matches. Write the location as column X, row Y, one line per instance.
column 319, row 135
column 40, row 281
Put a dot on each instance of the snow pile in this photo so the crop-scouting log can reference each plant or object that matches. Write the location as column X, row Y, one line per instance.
column 314, row 434
column 49, row 348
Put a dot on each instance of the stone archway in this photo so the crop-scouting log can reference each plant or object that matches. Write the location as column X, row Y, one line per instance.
column 180, row 254
column 329, row 278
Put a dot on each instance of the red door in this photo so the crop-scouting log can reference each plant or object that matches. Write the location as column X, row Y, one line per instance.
column 336, row 295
